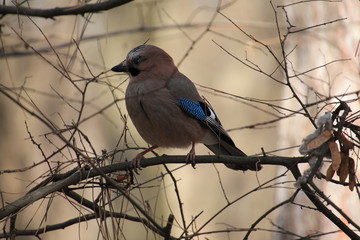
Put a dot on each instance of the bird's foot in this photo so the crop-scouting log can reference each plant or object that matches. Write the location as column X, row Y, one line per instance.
column 135, row 163
column 190, row 157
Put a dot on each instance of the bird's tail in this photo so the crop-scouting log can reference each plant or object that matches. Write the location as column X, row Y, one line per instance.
column 225, row 148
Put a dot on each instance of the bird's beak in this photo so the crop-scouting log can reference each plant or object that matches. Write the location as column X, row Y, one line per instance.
column 120, row 67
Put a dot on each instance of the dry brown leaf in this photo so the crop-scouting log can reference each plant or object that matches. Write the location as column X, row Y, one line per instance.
column 347, row 145
column 335, row 155
column 120, row 178
column 343, row 171
column 351, row 174
column 319, row 140
column 329, row 173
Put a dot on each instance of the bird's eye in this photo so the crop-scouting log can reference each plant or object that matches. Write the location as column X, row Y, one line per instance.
column 138, row 59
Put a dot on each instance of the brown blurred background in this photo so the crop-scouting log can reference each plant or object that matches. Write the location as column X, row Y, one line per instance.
column 104, row 40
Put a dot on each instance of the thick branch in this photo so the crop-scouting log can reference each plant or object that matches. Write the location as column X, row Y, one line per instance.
column 54, row 12
column 82, row 174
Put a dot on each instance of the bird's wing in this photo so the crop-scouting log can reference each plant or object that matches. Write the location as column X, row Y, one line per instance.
column 207, row 117
column 189, row 100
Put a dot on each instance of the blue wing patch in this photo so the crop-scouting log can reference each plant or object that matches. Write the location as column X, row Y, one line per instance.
column 192, row 108
column 204, row 113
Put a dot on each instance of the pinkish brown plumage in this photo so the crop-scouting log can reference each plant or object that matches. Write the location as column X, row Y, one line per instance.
column 166, row 108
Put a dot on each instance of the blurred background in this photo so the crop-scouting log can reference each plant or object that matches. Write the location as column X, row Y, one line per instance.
column 39, row 56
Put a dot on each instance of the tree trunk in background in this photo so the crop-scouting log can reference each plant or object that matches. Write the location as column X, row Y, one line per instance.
column 316, row 47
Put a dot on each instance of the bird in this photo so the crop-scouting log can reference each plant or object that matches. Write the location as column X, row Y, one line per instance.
column 168, row 111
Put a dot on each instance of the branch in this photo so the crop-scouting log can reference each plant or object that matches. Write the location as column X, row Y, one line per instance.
column 176, row 189
column 54, row 12
column 312, row 196
column 101, row 212
column 290, row 200
column 81, row 174
column 62, row 225
column 317, row 25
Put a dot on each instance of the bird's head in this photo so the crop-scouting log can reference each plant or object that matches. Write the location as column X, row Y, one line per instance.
column 146, row 62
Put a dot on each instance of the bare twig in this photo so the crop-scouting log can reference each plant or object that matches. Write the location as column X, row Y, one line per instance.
column 62, row 11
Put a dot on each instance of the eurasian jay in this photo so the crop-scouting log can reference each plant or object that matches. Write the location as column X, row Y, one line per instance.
column 168, row 111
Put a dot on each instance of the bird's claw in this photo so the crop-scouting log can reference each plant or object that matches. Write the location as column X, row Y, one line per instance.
column 135, row 164
column 190, row 157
